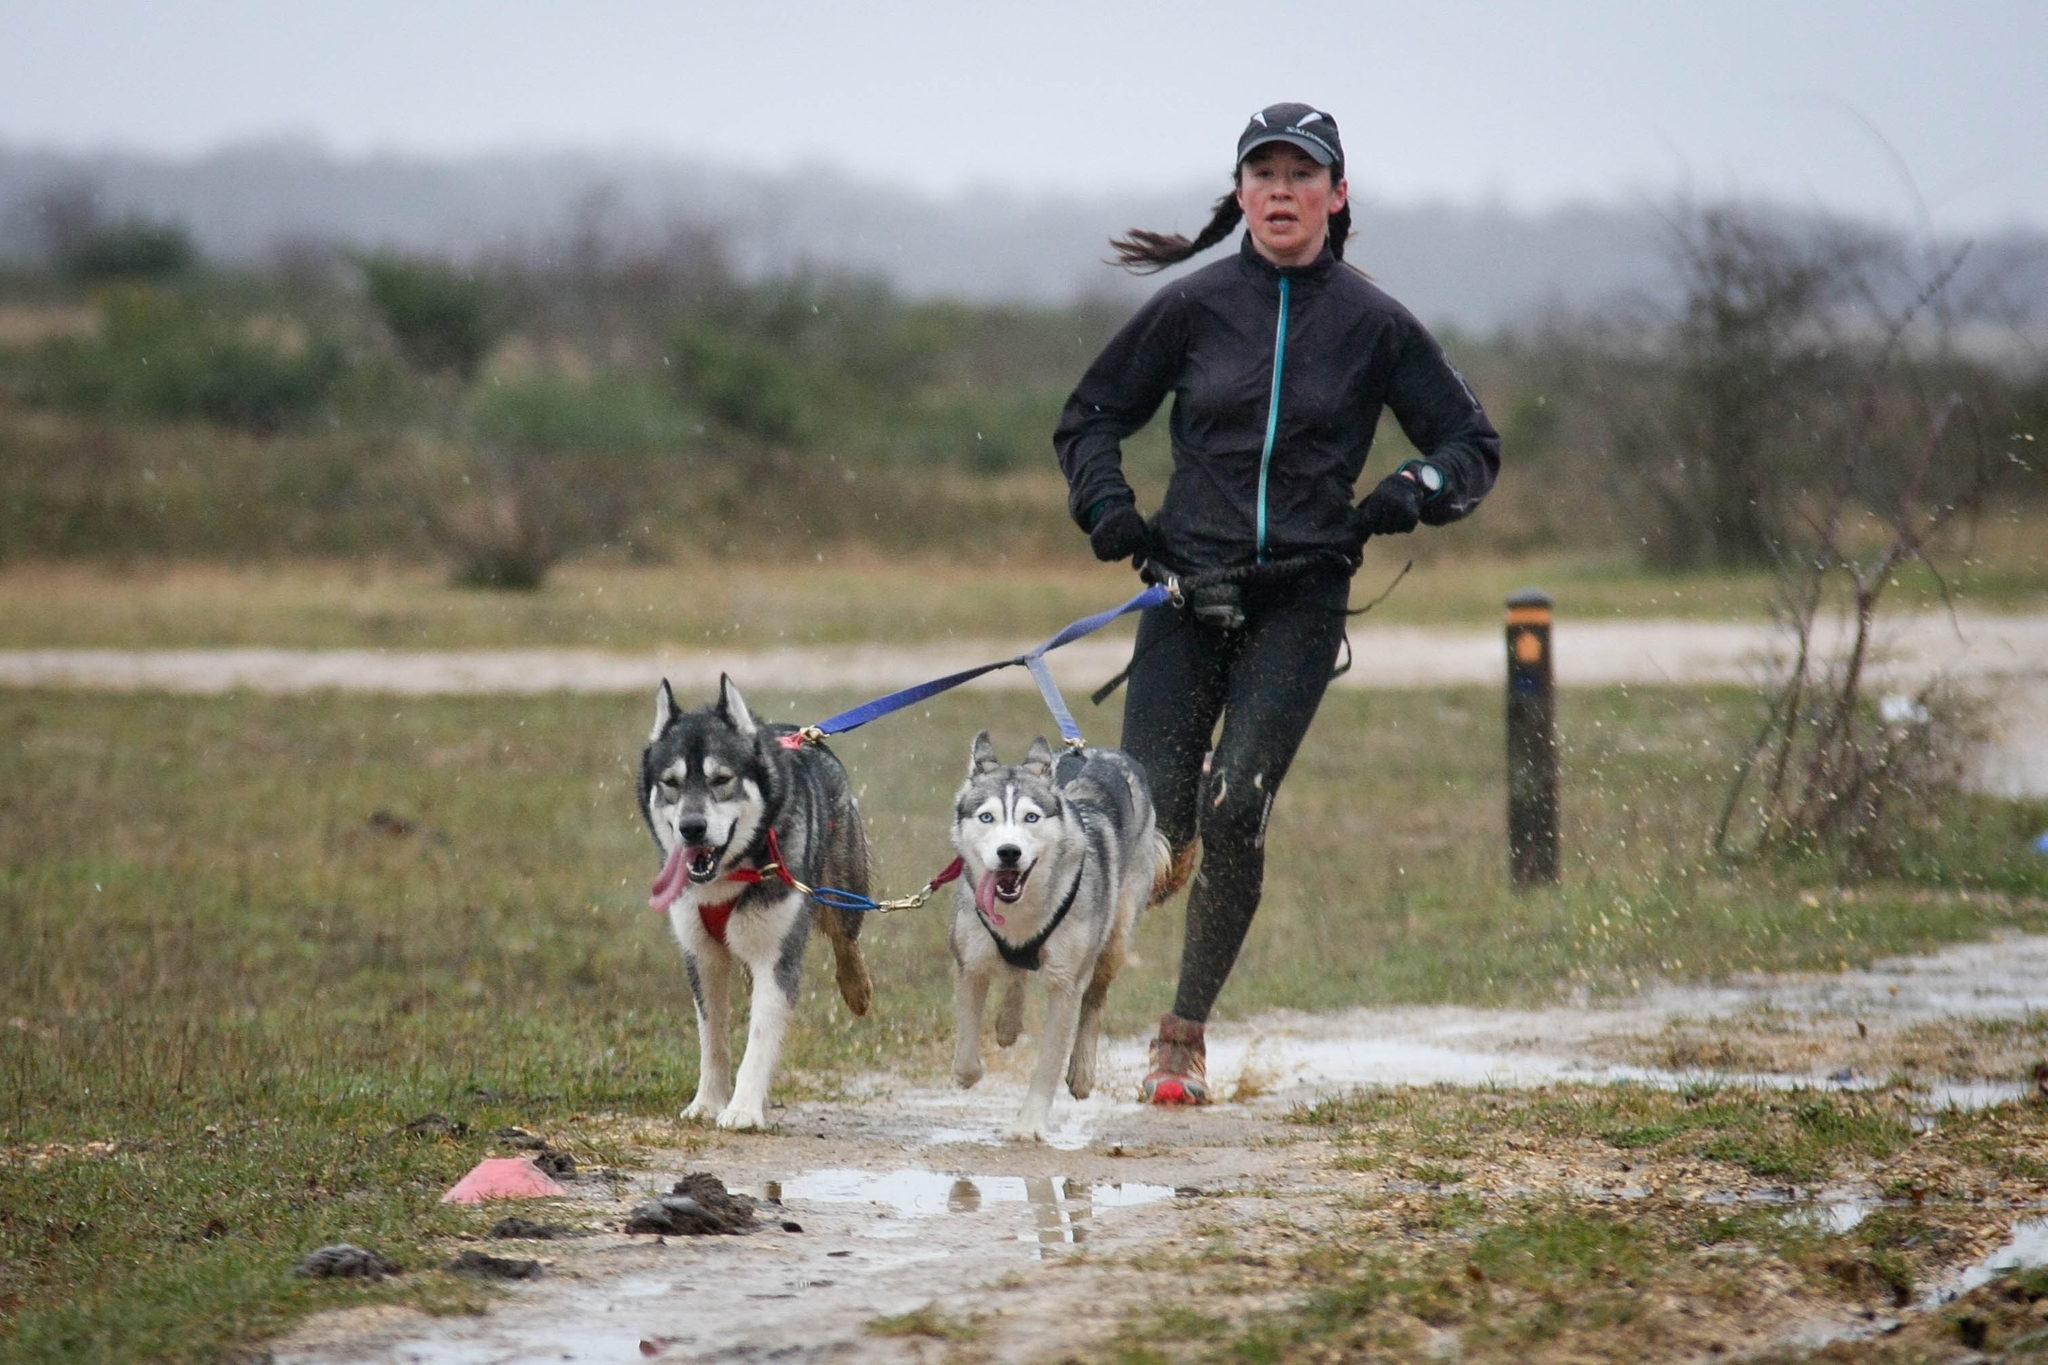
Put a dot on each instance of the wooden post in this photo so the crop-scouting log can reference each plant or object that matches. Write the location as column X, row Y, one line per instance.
column 1532, row 743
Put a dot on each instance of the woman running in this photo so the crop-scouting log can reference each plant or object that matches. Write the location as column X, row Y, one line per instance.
column 1280, row 360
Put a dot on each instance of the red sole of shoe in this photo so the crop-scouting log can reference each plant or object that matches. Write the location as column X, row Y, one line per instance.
column 1172, row 1092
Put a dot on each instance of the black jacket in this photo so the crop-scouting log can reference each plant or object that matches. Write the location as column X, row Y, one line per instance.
column 1209, row 339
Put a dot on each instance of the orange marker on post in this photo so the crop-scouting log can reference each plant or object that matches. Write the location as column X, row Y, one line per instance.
column 1532, row 743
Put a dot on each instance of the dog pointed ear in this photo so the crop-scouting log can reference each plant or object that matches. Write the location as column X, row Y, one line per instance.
column 665, row 710
column 982, row 759
column 732, row 707
column 1038, row 757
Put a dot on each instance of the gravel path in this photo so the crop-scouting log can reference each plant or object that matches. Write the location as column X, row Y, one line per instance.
column 1588, row 652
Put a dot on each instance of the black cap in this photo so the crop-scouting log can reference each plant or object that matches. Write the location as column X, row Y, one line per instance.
column 1301, row 125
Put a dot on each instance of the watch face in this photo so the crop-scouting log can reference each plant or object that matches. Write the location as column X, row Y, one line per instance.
column 1432, row 477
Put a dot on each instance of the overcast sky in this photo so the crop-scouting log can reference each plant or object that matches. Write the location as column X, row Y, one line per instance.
column 1839, row 103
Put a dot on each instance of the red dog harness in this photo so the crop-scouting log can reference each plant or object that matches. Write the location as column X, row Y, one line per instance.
column 715, row 918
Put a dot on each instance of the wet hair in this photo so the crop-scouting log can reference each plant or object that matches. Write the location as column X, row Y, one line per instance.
column 1145, row 253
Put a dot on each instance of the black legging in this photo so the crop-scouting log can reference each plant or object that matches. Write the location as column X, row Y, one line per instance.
column 1266, row 681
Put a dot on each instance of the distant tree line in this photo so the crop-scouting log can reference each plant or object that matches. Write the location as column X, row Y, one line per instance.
column 602, row 392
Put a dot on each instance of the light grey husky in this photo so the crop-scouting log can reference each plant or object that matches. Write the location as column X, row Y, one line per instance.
column 1060, row 855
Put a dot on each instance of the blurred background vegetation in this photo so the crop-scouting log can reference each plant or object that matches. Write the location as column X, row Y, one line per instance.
column 600, row 397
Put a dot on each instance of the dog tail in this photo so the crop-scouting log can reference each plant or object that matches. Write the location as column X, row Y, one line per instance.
column 842, row 927
column 1172, row 867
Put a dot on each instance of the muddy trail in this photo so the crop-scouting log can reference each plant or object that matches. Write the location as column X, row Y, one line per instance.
column 894, row 1223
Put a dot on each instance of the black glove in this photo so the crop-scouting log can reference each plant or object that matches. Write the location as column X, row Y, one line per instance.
column 1119, row 533
column 1392, row 509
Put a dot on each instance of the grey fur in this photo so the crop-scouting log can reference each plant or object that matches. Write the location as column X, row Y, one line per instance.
column 716, row 781
column 789, row 963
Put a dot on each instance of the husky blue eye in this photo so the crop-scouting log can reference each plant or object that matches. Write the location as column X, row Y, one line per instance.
column 987, row 819
column 1031, row 817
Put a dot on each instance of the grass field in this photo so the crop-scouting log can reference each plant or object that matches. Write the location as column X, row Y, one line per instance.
column 845, row 592
column 847, row 598
column 227, row 989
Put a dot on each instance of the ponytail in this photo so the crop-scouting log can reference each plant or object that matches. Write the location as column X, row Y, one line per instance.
column 1145, row 253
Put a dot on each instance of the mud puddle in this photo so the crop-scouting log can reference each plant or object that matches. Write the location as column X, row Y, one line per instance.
column 1061, row 1208
column 908, row 1199
column 2027, row 1248
column 871, row 1244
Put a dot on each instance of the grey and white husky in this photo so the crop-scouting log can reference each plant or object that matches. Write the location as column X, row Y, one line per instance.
column 715, row 785
column 1059, row 855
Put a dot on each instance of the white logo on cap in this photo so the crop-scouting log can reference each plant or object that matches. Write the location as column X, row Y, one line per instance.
column 1260, row 118
column 1307, row 121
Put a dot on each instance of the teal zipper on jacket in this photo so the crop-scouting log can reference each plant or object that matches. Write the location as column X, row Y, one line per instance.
column 1272, row 413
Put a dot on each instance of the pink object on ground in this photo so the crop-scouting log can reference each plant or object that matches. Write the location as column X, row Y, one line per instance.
column 502, row 1177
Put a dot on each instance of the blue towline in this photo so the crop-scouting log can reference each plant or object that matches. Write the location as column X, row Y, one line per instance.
column 1032, row 659
column 839, row 898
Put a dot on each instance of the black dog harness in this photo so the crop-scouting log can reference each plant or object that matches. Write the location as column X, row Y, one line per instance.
column 1025, row 955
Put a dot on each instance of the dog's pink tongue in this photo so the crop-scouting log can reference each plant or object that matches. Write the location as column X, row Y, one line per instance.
column 985, row 897
column 674, row 876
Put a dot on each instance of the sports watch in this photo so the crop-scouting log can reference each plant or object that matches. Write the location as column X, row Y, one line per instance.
column 1428, row 475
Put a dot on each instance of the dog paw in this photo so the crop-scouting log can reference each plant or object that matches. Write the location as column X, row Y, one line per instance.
column 966, row 1077
column 1080, row 1078
column 734, row 1118
column 700, row 1110
column 1027, row 1130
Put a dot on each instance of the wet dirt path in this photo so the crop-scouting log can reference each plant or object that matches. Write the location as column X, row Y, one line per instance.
column 907, row 1199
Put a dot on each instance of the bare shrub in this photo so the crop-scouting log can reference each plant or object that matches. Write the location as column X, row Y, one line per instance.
column 1749, row 363
column 497, row 515
column 497, row 537
column 1828, row 770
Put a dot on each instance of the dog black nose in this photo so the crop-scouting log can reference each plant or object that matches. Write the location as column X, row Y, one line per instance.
column 692, row 828
column 1008, row 855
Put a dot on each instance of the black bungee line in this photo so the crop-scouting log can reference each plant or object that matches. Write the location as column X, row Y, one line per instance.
column 1278, row 571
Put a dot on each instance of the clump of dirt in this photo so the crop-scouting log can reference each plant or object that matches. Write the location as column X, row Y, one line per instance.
column 486, row 1266
column 389, row 825
column 548, row 1158
column 555, row 1162
column 346, row 1261
column 699, row 1205
column 513, row 1226
column 436, row 1126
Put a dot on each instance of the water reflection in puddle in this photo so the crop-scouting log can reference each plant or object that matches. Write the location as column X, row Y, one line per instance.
column 1833, row 1214
column 2027, row 1248
column 1061, row 1206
